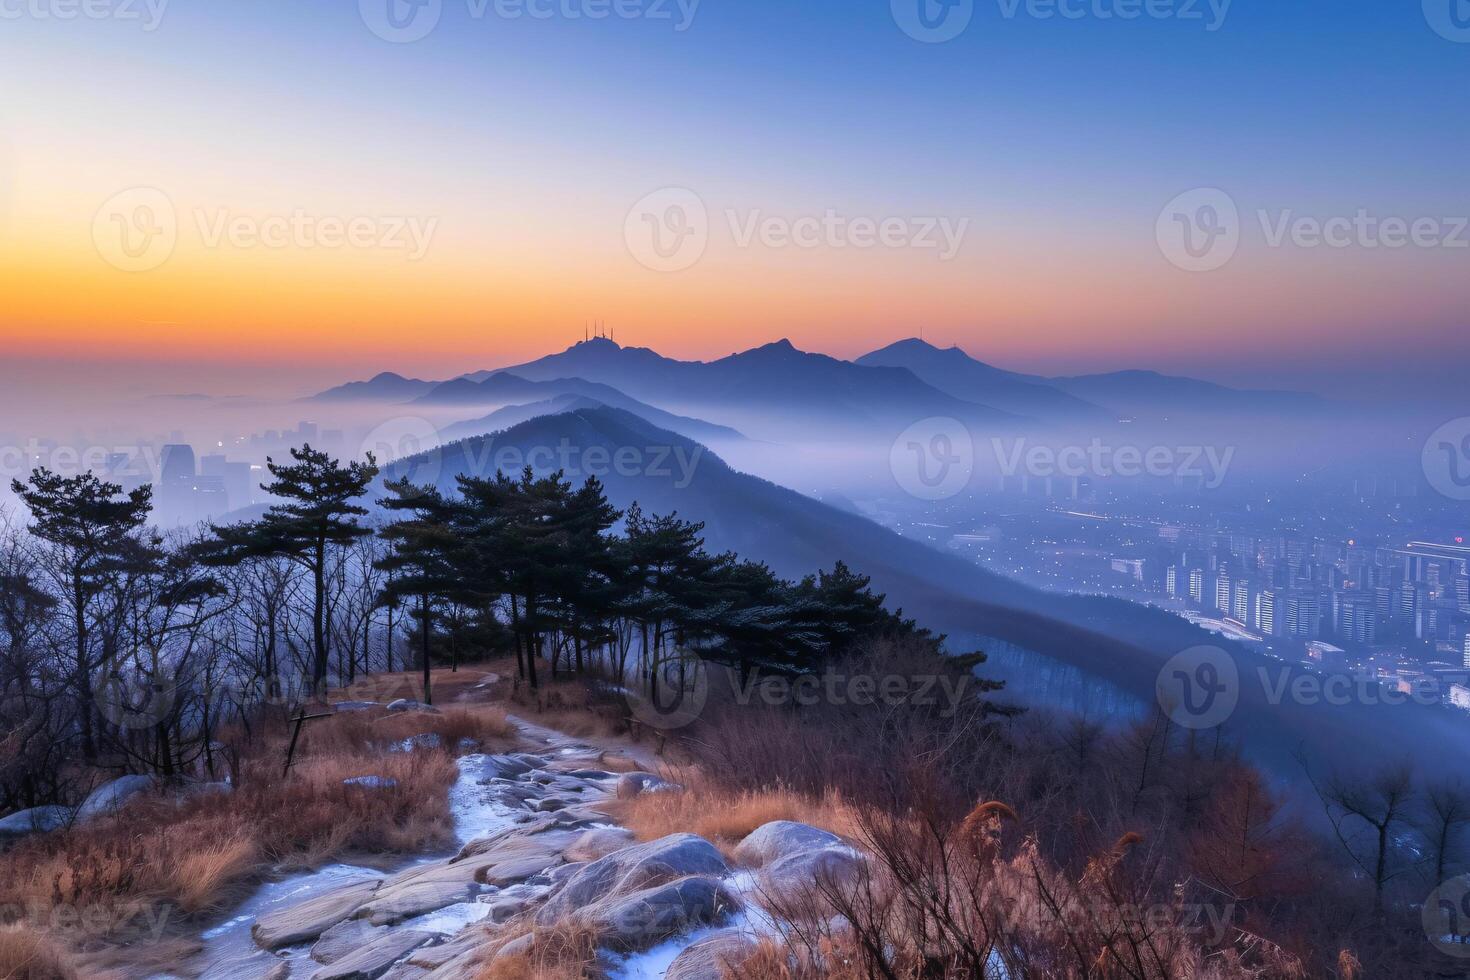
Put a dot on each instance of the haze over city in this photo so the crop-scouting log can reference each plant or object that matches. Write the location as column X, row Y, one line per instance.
column 734, row 490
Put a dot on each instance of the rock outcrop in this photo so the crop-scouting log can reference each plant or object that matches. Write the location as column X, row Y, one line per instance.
column 38, row 820
column 713, row 957
column 553, row 863
column 112, row 796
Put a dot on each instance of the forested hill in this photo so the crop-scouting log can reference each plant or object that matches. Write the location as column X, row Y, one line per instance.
column 1124, row 643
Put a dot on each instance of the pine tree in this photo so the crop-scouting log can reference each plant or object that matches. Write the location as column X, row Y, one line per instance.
column 96, row 538
column 319, row 513
column 426, row 559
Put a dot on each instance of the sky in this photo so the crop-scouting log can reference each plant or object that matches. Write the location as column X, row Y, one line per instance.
column 238, row 196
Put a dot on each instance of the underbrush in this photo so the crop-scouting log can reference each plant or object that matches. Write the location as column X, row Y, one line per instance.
column 577, row 706
column 563, row 952
column 725, row 816
column 26, row 954
column 173, row 855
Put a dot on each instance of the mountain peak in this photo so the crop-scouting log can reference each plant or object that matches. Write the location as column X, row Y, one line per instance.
column 917, row 346
column 596, row 344
column 782, row 346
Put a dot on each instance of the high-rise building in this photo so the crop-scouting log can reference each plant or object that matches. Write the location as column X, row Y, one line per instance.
column 1197, row 585
column 173, row 501
column 1265, row 619
column 176, row 464
column 1222, row 593
column 235, row 478
column 1241, row 601
column 1302, row 615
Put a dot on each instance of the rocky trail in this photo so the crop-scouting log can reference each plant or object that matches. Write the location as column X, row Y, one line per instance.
column 537, row 854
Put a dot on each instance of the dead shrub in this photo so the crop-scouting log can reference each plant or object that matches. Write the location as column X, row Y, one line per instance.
column 724, row 816
column 28, row 955
column 562, row 952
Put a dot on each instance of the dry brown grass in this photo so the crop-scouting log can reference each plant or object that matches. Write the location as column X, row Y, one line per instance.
column 563, row 952
column 449, row 686
column 196, row 855
column 725, row 817
column 570, row 707
column 26, row 954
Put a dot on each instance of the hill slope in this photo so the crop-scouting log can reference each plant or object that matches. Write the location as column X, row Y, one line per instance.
column 957, row 373
column 1121, row 643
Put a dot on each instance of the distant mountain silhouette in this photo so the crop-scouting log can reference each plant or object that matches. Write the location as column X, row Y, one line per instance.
column 505, row 387
column 783, row 384
column 953, row 371
column 513, row 415
column 388, row 387
column 1120, row 642
column 1149, row 394
column 786, row 390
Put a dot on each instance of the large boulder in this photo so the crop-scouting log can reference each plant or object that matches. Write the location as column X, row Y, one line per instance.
column 521, row 846
column 640, row 920
column 112, row 796
column 632, row 869
column 256, row 965
column 377, row 957
column 779, row 838
column 713, row 957
column 799, row 874
column 38, row 820
column 633, row 784
column 598, row 842
column 406, row 971
column 419, row 890
column 306, row 921
column 344, row 939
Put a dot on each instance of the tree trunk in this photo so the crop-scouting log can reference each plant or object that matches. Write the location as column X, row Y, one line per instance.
column 84, row 673
column 319, row 623
column 424, row 628
column 534, row 641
